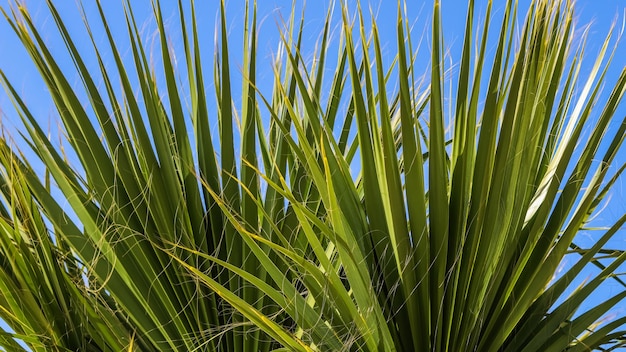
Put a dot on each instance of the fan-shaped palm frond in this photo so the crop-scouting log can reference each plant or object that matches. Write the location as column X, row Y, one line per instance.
column 165, row 233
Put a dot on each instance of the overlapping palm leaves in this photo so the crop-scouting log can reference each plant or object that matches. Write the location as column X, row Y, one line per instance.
column 449, row 238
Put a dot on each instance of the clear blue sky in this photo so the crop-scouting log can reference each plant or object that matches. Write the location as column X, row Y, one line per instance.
column 15, row 62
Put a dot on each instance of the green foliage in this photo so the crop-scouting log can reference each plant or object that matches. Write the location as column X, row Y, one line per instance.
column 449, row 239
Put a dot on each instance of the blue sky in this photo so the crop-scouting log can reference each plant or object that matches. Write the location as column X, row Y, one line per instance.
column 15, row 62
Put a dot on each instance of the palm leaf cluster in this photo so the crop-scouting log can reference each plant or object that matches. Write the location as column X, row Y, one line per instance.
column 183, row 226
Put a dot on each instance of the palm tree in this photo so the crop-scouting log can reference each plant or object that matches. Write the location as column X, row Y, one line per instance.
column 156, row 235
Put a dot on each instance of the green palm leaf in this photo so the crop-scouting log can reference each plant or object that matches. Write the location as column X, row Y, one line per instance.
column 184, row 225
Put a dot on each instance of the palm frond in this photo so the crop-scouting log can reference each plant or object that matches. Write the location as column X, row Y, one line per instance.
column 165, row 232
